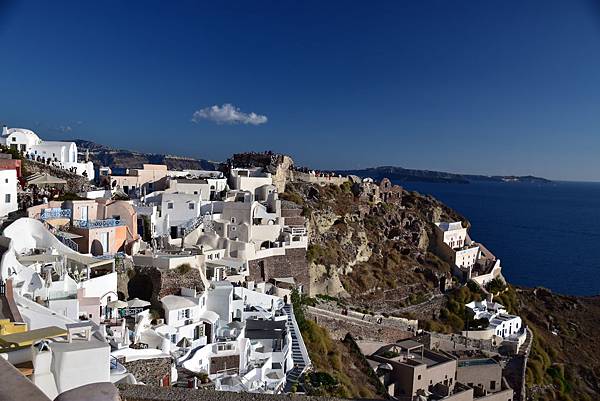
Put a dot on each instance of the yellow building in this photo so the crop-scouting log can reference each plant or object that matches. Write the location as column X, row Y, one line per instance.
column 8, row 327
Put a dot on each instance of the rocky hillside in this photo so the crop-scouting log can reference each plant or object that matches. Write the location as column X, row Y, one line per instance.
column 378, row 255
column 119, row 158
column 565, row 357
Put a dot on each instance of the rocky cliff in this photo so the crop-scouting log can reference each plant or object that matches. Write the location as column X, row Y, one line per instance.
column 376, row 254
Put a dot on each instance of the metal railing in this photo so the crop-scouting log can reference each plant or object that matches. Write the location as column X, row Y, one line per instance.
column 97, row 223
column 67, row 241
column 55, row 214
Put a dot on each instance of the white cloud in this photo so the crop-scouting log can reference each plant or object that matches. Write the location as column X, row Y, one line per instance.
column 227, row 114
column 65, row 128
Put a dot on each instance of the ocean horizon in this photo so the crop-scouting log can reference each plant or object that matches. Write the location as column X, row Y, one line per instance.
column 544, row 234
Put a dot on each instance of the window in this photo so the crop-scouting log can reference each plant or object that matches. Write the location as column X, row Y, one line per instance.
column 233, row 220
column 419, row 377
column 191, row 206
column 195, row 192
column 224, row 347
column 169, row 205
column 492, row 385
column 7, row 198
column 6, row 180
column 14, row 139
column 183, row 314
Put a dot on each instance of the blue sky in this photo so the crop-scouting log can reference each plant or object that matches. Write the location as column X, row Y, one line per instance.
column 493, row 87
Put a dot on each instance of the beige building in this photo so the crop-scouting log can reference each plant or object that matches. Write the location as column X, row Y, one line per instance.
column 149, row 178
column 410, row 372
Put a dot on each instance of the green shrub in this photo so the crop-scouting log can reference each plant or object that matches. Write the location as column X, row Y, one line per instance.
column 184, row 268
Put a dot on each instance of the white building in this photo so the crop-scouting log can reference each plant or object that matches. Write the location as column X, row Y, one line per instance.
column 29, row 143
column 207, row 188
column 248, row 179
column 453, row 234
column 505, row 325
column 174, row 211
column 8, row 192
column 501, row 324
column 485, row 309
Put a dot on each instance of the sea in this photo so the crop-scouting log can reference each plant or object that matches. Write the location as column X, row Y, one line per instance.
column 545, row 234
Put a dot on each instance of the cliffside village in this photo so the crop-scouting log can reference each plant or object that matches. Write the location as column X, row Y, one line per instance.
column 185, row 279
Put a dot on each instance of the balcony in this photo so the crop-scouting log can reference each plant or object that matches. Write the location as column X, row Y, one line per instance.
column 55, row 213
column 91, row 224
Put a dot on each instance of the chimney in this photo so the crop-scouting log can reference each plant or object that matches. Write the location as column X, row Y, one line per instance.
column 4, row 130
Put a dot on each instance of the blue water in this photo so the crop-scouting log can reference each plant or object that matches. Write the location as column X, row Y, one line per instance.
column 545, row 234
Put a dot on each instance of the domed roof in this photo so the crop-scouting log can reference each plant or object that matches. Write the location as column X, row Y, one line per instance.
column 22, row 131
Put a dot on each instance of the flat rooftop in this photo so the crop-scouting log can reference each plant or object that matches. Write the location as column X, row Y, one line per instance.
column 476, row 362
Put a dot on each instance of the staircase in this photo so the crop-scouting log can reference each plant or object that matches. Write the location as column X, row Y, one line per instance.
column 301, row 361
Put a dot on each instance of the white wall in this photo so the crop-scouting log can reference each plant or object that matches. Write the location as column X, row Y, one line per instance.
column 467, row 257
column 8, row 192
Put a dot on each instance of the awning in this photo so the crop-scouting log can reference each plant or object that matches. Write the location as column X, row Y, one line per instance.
column 31, row 336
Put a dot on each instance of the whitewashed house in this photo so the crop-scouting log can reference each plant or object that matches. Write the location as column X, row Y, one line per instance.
column 64, row 154
column 8, row 192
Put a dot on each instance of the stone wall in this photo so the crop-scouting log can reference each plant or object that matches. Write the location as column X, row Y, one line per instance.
column 151, row 284
column 292, row 264
column 132, row 392
column 149, row 371
column 320, row 180
column 221, row 363
column 360, row 330
column 277, row 164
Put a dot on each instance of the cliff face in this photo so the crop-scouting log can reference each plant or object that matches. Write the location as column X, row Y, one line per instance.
column 565, row 361
column 375, row 254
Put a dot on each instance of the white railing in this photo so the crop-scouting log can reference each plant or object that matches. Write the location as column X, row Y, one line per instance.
column 300, row 340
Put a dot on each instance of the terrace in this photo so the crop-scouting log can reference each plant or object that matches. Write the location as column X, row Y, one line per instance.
column 92, row 224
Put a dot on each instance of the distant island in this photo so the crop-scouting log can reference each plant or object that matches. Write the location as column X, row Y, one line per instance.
column 412, row 175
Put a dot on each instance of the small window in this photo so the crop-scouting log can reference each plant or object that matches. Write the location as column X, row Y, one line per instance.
column 14, row 139
column 191, row 206
column 233, row 220
column 169, row 206
column 7, row 198
column 419, row 377
column 492, row 385
column 6, row 180
column 195, row 192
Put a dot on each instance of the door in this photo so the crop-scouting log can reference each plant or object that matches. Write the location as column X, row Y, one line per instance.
column 104, row 241
column 84, row 214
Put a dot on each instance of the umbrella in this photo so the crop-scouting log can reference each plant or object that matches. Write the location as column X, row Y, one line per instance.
column 137, row 303
column 44, row 179
column 117, row 304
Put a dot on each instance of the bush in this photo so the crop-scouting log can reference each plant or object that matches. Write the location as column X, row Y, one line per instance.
column 495, row 286
column 184, row 268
